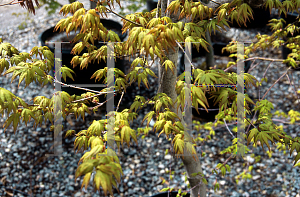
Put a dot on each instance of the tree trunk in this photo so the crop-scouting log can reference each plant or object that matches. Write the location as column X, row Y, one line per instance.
column 168, row 87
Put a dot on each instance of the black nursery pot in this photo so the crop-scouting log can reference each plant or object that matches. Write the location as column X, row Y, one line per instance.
column 213, row 110
column 217, row 46
column 261, row 17
column 151, row 4
column 167, row 194
column 290, row 18
column 83, row 75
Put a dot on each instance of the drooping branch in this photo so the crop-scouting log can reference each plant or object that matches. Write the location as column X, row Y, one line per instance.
column 27, row 4
column 110, row 10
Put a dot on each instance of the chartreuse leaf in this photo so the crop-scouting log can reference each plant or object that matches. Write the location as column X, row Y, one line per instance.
column 67, row 72
column 15, row 118
column 216, row 186
column 243, row 12
column 253, row 133
column 3, row 64
column 297, row 158
column 178, row 142
column 270, row 4
column 295, row 145
column 84, row 168
column 27, row 114
column 69, row 133
column 7, row 97
column 149, row 117
column 126, row 132
column 96, row 128
column 169, row 65
column 86, row 180
column 198, row 97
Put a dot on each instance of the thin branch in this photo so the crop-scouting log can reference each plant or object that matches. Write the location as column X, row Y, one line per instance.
column 292, row 86
column 71, row 86
column 185, row 54
column 275, row 83
column 267, row 69
column 123, row 17
column 120, row 101
column 228, row 128
column 267, row 59
column 251, row 121
column 12, row 3
column 14, row 190
column 100, row 104
column 259, row 58
column 216, row 2
column 87, row 98
column 252, row 67
column 282, row 121
column 251, row 124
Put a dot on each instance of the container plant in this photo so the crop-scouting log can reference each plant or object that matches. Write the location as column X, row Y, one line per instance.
column 212, row 110
column 150, row 34
column 82, row 76
column 291, row 18
column 260, row 19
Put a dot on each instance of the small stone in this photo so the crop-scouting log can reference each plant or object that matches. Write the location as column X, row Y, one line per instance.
column 130, row 183
column 131, row 166
column 71, row 188
column 256, row 177
column 161, row 166
column 168, row 157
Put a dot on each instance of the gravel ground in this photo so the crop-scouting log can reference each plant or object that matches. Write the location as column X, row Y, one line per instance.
column 24, row 169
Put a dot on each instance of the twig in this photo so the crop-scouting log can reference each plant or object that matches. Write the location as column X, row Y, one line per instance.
column 99, row 104
column 259, row 58
column 228, row 128
column 120, row 101
column 267, row 59
column 251, row 121
column 15, row 190
column 123, row 17
column 253, row 67
column 86, row 98
column 275, row 83
column 215, row 2
column 267, row 69
column 282, row 121
column 11, row 3
column 185, row 54
column 251, row 124
column 100, row 93
column 292, row 86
